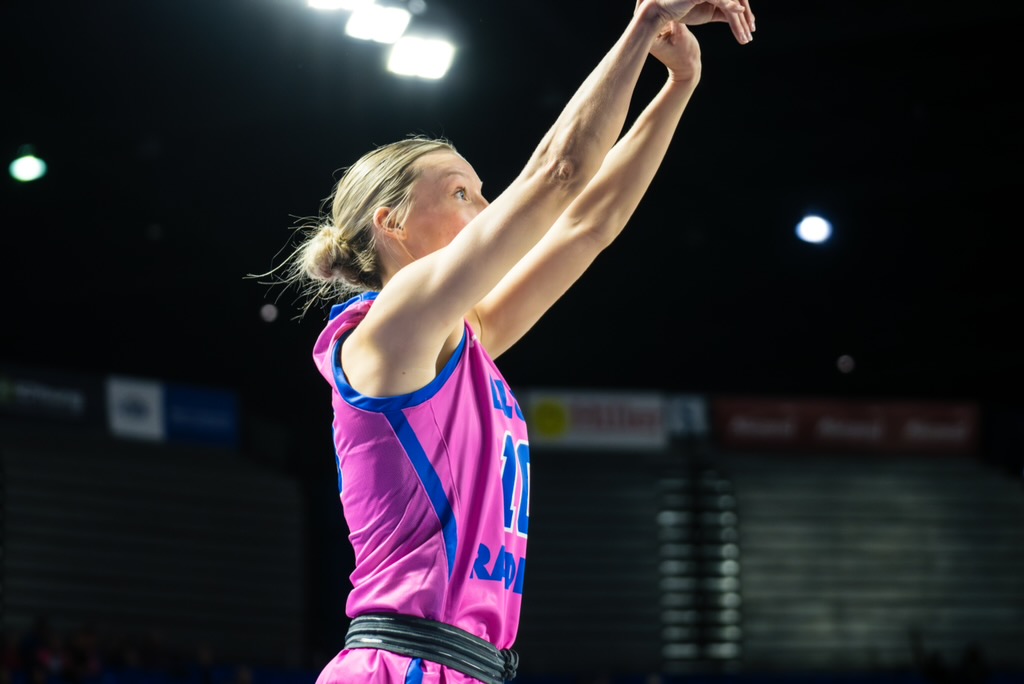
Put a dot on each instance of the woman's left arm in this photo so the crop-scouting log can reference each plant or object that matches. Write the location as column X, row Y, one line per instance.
column 601, row 211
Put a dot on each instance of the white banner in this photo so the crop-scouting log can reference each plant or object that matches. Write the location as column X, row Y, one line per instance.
column 596, row 420
column 135, row 408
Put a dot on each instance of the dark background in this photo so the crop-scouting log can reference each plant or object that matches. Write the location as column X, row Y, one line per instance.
column 185, row 138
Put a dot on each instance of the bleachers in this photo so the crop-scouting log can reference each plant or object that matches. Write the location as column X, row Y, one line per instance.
column 201, row 548
column 839, row 560
column 845, row 556
column 591, row 602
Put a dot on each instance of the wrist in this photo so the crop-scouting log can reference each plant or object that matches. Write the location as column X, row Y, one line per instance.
column 652, row 16
column 683, row 82
column 690, row 77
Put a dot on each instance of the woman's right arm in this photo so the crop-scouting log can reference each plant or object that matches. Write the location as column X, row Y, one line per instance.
column 424, row 304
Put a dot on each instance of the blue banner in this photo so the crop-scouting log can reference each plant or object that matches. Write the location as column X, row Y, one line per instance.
column 201, row 415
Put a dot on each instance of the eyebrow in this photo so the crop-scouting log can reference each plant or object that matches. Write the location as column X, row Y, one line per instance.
column 454, row 172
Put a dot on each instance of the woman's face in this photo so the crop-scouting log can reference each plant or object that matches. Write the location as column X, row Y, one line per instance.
column 446, row 196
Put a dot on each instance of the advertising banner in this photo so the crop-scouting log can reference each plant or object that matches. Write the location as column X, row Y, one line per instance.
column 32, row 395
column 201, row 415
column 596, row 420
column 135, row 408
column 830, row 425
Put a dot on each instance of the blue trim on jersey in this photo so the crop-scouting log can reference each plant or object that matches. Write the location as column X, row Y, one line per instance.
column 337, row 458
column 387, row 404
column 338, row 308
column 414, row 675
column 431, row 482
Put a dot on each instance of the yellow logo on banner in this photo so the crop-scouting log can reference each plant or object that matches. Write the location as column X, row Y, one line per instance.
column 550, row 418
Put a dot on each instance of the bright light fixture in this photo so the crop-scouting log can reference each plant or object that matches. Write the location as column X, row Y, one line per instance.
column 421, row 57
column 379, row 24
column 814, row 229
column 27, row 168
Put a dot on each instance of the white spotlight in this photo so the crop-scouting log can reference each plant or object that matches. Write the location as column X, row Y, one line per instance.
column 27, row 167
column 421, row 57
column 814, row 229
column 379, row 24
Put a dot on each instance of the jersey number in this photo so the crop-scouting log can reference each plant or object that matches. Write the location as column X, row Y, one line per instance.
column 515, row 465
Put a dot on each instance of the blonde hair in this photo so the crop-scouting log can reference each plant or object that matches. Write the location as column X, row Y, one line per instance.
column 337, row 255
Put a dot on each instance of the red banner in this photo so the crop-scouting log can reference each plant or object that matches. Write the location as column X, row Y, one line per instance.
column 836, row 425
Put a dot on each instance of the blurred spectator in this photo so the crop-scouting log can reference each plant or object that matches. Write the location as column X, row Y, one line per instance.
column 41, row 648
column 972, row 668
column 83, row 660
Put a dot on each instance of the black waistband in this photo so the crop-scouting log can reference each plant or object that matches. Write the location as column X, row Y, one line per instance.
column 434, row 641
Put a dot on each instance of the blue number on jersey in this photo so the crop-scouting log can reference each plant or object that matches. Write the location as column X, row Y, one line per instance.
column 515, row 464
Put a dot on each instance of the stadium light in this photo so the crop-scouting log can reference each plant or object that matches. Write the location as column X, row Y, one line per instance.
column 379, row 24
column 814, row 229
column 27, row 167
column 421, row 57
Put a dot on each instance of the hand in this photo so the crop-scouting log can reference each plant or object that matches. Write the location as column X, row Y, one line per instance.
column 741, row 23
column 677, row 48
column 736, row 13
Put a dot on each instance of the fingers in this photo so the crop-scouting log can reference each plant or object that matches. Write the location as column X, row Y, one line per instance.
column 741, row 27
column 740, row 22
column 736, row 13
column 749, row 15
column 732, row 6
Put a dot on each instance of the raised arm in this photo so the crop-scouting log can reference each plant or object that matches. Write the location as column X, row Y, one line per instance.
column 602, row 210
column 417, row 317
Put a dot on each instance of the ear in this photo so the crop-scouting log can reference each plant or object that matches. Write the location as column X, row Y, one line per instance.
column 384, row 220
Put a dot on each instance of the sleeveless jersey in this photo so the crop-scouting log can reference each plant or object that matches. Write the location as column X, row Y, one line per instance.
column 434, row 486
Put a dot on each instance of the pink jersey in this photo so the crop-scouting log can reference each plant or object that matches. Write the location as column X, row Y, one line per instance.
column 435, row 490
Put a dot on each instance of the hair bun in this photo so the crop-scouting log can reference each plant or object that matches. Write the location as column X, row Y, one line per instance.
column 328, row 254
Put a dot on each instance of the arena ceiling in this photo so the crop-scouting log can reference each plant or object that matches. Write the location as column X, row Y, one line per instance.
column 184, row 139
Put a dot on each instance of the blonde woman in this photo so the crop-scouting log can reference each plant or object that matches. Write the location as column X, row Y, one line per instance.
column 430, row 283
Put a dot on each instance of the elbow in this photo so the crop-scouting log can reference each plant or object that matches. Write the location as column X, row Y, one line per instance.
column 571, row 163
column 557, row 178
column 563, row 173
column 564, row 163
column 564, row 170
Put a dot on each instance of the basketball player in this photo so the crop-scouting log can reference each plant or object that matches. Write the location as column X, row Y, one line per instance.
column 432, row 450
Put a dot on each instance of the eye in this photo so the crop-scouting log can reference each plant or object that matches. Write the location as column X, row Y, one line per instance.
column 461, row 194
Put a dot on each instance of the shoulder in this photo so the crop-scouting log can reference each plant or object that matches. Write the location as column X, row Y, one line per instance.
column 343, row 319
